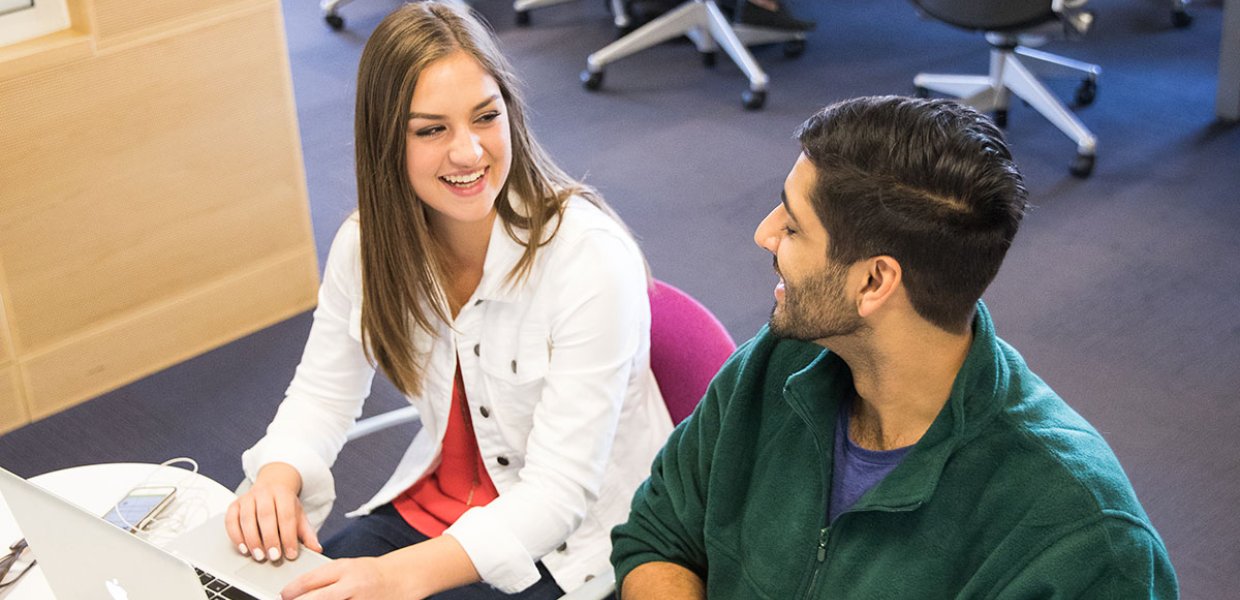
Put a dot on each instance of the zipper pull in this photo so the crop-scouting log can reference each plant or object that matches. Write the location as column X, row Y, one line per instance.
column 822, row 544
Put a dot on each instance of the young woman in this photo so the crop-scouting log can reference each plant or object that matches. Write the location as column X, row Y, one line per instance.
column 507, row 302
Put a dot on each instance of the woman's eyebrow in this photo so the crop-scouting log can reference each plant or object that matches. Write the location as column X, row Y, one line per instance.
column 477, row 107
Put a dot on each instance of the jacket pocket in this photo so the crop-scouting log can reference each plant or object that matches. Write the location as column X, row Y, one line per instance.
column 515, row 371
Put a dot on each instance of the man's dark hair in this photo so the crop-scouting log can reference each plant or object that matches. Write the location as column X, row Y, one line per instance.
column 930, row 183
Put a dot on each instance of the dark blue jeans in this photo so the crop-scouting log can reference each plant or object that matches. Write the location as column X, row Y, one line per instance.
column 384, row 530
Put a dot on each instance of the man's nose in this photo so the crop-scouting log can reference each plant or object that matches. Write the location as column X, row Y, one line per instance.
column 766, row 236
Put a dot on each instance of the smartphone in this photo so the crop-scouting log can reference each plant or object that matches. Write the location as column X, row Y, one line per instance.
column 140, row 506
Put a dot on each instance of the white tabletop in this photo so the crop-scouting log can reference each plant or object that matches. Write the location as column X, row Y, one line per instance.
column 97, row 487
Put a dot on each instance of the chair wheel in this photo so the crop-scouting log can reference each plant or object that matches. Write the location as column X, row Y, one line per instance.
column 591, row 81
column 753, row 100
column 522, row 18
column 1086, row 92
column 709, row 59
column 921, row 92
column 1000, row 117
column 794, row 48
column 1181, row 19
column 336, row 22
column 1082, row 166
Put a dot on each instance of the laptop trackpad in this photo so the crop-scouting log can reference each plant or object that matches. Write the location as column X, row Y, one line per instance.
column 207, row 547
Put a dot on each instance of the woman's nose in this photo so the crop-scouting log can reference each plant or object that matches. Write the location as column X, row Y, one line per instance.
column 466, row 149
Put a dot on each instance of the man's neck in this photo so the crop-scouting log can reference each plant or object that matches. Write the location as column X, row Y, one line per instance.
column 902, row 381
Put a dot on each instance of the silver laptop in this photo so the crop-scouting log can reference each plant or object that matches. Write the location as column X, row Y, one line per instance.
column 84, row 557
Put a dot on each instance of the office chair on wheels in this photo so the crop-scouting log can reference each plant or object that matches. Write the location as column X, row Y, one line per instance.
column 1179, row 14
column 523, row 7
column 703, row 23
column 1008, row 25
column 331, row 11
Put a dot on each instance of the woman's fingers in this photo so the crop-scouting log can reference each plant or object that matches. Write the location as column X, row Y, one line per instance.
column 309, row 537
column 288, row 514
column 248, row 519
column 267, row 521
column 268, row 526
column 232, row 524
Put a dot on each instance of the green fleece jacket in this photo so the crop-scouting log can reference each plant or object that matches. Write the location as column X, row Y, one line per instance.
column 1010, row 494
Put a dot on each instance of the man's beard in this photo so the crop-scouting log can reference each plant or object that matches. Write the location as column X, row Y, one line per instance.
column 815, row 308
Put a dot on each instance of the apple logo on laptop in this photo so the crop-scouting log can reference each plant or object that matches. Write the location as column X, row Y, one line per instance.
column 115, row 590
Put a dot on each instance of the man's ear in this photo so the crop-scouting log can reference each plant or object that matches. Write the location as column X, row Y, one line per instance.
column 882, row 278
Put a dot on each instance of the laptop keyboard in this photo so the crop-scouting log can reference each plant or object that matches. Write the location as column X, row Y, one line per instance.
column 218, row 589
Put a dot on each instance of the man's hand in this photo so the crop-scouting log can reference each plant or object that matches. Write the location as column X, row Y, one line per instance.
column 662, row 581
column 267, row 521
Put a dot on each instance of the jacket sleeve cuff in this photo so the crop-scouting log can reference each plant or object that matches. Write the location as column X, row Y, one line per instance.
column 318, row 488
column 500, row 559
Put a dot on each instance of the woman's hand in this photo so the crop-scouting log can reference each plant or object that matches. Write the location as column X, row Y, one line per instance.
column 411, row 573
column 267, row 521
column 353, row 578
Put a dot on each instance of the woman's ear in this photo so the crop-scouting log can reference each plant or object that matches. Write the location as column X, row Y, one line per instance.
column 881, row 278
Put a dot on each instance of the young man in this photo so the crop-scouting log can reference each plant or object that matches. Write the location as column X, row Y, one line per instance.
column 877, row 440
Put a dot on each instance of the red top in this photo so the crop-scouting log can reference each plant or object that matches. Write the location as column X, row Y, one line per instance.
column 459, row 483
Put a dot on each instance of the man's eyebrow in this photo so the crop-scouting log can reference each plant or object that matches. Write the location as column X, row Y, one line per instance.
column 783, row 197
column 477, row 107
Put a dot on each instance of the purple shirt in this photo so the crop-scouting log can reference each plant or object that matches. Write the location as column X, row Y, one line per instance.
column 856, row 469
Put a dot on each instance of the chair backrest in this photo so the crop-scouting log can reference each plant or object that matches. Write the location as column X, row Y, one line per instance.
column 687, row 347
column 1005, row 15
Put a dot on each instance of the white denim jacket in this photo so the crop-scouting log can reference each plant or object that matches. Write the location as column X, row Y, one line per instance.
column 557, row 371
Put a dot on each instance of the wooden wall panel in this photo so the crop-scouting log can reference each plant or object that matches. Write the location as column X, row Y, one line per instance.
column 142, row 173
column 6, row 342
column 166, row 335
column 13, row 412
column 152, row 196
column 119, row 21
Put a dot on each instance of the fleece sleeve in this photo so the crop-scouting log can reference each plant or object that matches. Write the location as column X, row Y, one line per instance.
column 667, row 520
column 1116, row 557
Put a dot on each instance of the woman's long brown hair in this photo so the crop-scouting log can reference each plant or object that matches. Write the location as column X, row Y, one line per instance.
column 403, row 268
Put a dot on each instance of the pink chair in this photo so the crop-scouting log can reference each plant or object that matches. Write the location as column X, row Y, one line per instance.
column 687, row 347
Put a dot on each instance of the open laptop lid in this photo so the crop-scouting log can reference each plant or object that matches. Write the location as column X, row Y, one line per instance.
column 83, row 556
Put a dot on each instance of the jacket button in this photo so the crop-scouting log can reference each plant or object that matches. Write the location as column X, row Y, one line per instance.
column 588, row 578
column 477, row 349
column 514, row 366
column 563, row 547
column 477, row 302
column 485, row 413
column 503, row 461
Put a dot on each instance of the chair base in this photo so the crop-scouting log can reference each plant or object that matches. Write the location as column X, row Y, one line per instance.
column 709, row 30
column 1009, row 76
column 522, row 7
